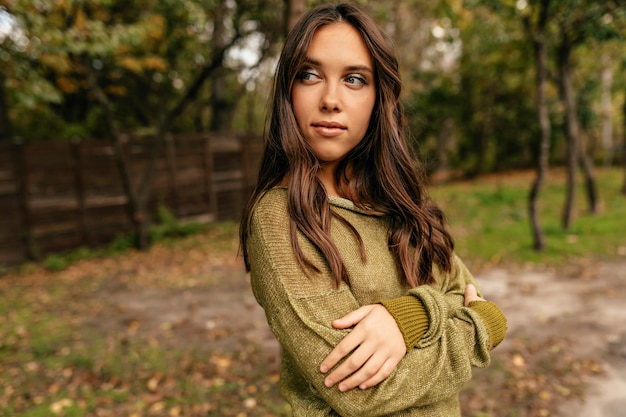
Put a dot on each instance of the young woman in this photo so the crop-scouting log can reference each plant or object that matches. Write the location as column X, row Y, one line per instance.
column 349, row 258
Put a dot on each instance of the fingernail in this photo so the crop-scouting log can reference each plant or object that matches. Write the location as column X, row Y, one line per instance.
column 342, row 388
column 324, row 369
column 328, row 382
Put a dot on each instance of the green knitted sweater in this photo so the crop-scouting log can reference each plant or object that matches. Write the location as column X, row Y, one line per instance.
column 444, row 338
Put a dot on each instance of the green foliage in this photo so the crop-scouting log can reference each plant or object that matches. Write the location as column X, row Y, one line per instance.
column 147, row 56
column 470, row 91
column 479, row 114
column 489, row 219
column 122, row 243
column 55, row 263
column 74, row 130
column 166, row 229
column 168, row 226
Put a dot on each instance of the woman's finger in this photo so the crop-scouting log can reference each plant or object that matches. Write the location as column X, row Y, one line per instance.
column 383, row 372
column 352, row 364
column 352, row 319
column 343, row 349
column 471, row 295
column 367, row 371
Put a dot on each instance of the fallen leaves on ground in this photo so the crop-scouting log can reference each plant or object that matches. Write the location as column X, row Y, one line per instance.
column 530, row 379
column 69, row 347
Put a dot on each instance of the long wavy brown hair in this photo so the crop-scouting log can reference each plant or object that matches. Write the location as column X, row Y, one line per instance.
column 380, row 175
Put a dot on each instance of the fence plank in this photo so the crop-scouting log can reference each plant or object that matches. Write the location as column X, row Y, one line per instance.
column 55, row 196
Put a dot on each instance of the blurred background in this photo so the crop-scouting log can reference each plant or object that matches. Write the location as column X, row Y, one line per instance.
column 130, row 135
column 111, row 111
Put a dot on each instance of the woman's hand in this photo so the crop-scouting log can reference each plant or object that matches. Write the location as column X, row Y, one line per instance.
column 471, row 295
column 375, row 346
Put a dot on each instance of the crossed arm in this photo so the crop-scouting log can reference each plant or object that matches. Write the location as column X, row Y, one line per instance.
column 434, row 370
column 372, row 349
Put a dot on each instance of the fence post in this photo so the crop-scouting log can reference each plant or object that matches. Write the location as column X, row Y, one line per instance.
column 79, row 188
column 172, row 169
column 210, row 183
column 245, row 164
column 21, row 176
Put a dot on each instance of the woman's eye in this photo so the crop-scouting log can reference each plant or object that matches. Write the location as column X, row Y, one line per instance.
column 308, row 76
column 355, row 80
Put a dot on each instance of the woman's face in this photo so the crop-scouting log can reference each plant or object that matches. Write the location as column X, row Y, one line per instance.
column 334, row 94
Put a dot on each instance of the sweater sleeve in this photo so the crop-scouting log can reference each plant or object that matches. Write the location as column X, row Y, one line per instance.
column 299, row 311
column 413, row 320
column 487, row 320
column 411, row 317
column 494, row 320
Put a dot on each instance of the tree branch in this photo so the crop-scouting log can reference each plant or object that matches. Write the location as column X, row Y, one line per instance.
column 194, row 89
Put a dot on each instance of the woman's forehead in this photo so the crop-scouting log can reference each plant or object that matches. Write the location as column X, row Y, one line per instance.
column 339, row 41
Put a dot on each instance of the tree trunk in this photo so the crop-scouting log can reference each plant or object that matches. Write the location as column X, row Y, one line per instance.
column 572, row 130
column 624, row 143
column 541, row 62
column 135, row 214
column 5, row 122
column 445, row 139
column 590, row 180
column 480, row 138
column 606, row 135
column 293, row 10
column 221, row 101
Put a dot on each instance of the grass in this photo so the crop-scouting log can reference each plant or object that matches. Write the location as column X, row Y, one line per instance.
column 67, row 348
column 489, row 219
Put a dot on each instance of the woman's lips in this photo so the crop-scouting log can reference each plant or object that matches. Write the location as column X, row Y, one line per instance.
column 328, row 129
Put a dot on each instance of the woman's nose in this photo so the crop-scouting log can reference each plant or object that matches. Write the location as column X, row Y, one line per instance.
column 330, row 99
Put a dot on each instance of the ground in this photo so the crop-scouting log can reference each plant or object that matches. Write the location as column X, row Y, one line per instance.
column 578, row 311
column 565, row 352
column 564, row 355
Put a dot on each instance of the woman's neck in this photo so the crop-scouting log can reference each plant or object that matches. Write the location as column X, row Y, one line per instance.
column 326, row 175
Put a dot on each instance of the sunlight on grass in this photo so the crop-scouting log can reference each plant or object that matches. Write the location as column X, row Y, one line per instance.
column 489, row 219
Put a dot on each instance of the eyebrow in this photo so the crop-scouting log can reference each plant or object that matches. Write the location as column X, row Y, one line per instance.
column 317, row 63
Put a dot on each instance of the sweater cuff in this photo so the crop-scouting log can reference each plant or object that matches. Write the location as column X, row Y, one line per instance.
column 411, row 317
column 494, row 320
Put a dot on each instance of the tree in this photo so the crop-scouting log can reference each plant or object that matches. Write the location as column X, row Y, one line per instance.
column 535, row 24
column 624, row 142
column 5, row 122
column 577, row 21
column 140, row 64
column 242, row 26
column 25, row 90
column 571, row 122
column 293, row 10
column 497, row 120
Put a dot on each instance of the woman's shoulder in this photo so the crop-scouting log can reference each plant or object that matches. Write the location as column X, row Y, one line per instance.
column 272, row 197
column 271, row 204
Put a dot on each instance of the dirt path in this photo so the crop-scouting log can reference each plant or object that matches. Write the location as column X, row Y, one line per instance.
column 581, row 306
column 585, row 305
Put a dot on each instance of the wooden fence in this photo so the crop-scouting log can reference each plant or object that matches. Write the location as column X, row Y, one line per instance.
column 56, row 196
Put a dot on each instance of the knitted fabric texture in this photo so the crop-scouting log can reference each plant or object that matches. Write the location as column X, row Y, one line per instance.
column 493, row 318
column 300, row 310
column 411, row 317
